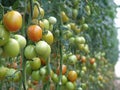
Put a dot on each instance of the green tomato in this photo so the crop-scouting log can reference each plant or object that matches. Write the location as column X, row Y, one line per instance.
column 79, row 40
column 74, row 13
column 30, row 52
column 4, row 35
column 43, row 49
column 35, row 63
column 55, row 78
column 72, row 59
column 12, row 48
column 3, row 71
column 17, row 76
column 46, row 24
column 10, row 73
column 21, row 40
column 84, row 26
column 28, row 69
column 43, row 71
column 64, row 79
column 72, row 41
column 35, row 75
column 70, row 86
column 52, row 20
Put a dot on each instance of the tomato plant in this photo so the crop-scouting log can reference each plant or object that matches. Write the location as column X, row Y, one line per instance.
column 56, row 44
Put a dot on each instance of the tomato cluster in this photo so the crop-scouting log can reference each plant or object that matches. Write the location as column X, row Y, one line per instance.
column 50, row 51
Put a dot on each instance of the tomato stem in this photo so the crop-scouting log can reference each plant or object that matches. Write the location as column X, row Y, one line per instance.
column 48, row 68
column 31, row 8
column 60, row 49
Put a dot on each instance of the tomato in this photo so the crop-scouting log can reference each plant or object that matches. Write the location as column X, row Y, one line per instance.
column 35, row 12
column 83, row 59
column 78, row 56
column 12, row 21
column 17, row 76
column 92, row 60
column 72, row 59
column 64, row 79
column 29, row 52
column 43, row 71
column 72, row 40
column 43, row 49
column 84, row 68
column 28, row 69
column 38, row 11
column 52, row 20
column 72, row 76
column 70, row 86
column 21, row 40
column 73, row 26
column 86, row 48
column 81, row 46
column 64, row 69
column 42, row 12
column 100, row 78
column 82, row 20
column 10, row 73
column 48, row 37
column 87, row 9
column 94, row 65
column 55, row 78
column 82, row 73
column 41, row 24
column 43, row 61
column 4, row 35
column 46, row 24
column 3, row 71
column 92, row 78
column 34, row 33
column 35, row 75
column 84, row 26
column 35, row 63
column 12, row 48
column 13, row 65
column 84, row 86
column 74, row 13
column 79, row 88
column 64, row 17
column 79, row 40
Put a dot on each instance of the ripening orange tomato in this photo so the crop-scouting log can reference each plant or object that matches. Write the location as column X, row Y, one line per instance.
column 72, row 76
column 34, row 33
column 12, row 21
column 64, row 69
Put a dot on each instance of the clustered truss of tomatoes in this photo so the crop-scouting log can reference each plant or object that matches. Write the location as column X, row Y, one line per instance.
column 44, row 47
